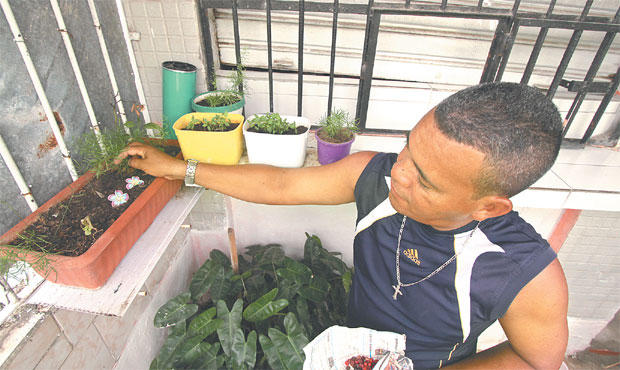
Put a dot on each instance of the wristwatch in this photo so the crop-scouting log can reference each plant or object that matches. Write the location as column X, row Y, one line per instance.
column 190, row 172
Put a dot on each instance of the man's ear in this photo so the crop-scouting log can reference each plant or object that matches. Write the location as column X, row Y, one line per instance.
column 492, row 206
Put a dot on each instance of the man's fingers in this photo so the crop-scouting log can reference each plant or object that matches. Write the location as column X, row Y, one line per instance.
column 133, row 148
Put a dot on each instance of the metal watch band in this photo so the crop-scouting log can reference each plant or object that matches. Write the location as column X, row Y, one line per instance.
column 190, row 172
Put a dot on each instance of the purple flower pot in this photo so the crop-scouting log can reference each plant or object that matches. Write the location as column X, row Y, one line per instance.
column 331, row 152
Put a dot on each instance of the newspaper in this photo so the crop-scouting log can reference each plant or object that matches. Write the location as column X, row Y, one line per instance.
column 330, row 349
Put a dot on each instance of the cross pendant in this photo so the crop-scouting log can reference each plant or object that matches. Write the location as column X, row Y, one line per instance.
column 396, row 291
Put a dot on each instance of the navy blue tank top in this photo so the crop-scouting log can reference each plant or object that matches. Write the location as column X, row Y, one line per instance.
column 443, row 316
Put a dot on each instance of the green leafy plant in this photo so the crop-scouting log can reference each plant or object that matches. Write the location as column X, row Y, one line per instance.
column 271, row 123
column 219, row 122
column 12, row 257
column 98, row 151
column 277, row 305
column 338, row 127
column 221, row 98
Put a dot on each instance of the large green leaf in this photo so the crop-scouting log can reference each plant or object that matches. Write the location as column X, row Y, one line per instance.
column 295, row 271
column 191, row 349
column 256, row 286
column 220, row 258
column 175, row 310
column 203, row 278
column 208, row 358
column 231, row 322
column 276, row 362
column 287, row 289
column 204, row 324
column 264, row 307
column 316, row 291
column 333, row 262
column 168, row 352
column 303, row 314
column 244, row 352
column 285, row 351
column 257, row 251
column 273, row 255
column 295, row 334
column 312, row 251
column 221, row 287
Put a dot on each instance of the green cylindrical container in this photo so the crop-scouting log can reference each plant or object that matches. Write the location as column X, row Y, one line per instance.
column 179, row 86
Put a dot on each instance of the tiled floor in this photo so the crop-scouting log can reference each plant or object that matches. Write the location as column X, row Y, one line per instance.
column 603, row 350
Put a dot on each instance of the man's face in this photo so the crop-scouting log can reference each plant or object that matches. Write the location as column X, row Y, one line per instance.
column 432, row 180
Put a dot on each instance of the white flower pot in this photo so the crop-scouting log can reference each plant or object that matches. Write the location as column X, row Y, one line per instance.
column 277, row 150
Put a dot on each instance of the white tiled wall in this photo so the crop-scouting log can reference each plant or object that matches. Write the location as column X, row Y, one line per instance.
column 591, row 259
column 168, row 30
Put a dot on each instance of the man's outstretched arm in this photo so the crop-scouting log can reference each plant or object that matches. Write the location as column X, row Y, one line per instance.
column 535, row 325
column 330, row 184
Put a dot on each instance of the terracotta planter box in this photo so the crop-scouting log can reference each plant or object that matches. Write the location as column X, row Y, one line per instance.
column 93, row 268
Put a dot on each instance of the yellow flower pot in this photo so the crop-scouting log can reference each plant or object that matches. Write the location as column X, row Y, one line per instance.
column 210, row 146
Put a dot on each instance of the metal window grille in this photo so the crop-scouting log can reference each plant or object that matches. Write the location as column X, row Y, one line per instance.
column 509, row 22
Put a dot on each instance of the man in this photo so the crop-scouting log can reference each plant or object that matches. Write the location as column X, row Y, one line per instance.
column 439, row 254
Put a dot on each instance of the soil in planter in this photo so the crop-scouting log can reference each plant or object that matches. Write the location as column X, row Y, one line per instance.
column 204, row 103
column 297, row 131
column 342, row 137
column 200, row 128
column 61, row 225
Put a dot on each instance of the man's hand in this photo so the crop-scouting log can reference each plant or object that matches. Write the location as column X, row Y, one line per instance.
column 153, row 161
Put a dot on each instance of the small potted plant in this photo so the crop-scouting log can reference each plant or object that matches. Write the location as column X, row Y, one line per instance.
column 276, row 140
column 335, row 137
column 210, row 137
column 223, row 101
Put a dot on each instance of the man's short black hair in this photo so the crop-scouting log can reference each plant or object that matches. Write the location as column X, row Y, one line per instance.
column 516, row 126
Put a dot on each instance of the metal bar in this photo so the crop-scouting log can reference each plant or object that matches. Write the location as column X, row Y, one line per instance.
column 568, row 53
column 444, row 3
column 537, row 47
column 237, row 43
column 367, row 68
column 118, row 101
column 205, row 28
column 458, row 11
column 269, row 55
column 36, row 81
column 332, row 59
column 362, row 80
column 601, row 108
column 594, row 67
column 347, row 8
column 62, row 28
column 17, row 176
column 509, row 42
column 494, row 56
column 480, row 3
column 134, row 64
column 570, row 25
column 300, row 60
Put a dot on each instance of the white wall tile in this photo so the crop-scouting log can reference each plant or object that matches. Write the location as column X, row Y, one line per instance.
column 173, row 27
column 153, row 9
column 170, row 9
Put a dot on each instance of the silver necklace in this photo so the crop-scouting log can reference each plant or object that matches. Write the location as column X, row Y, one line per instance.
column 404, row 285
